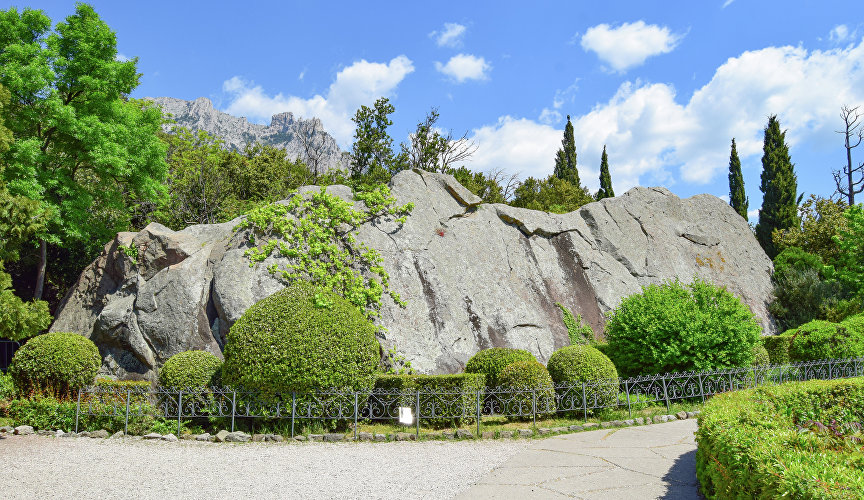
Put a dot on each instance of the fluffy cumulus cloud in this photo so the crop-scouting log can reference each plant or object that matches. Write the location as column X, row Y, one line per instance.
column 463, row 67
column 358, row 84
column 628, row 45
column 449, row 36
column 652, row 134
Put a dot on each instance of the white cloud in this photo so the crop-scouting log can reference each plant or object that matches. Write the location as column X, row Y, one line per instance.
column 753, row 214
column 358, row 84
column 549, row 116
column 462, row 67
column 630, row 44
column 121, row 57
column 727, row 3
column 652, row 138
column 841, row 33
column 450, row 36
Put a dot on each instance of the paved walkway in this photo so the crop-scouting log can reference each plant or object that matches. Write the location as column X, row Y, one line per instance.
column 648, row 462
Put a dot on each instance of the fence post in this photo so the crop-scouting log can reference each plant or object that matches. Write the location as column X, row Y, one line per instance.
column 478, row 413
column 627, row 392
column 856, row 366
column 585, row 402
column 534, row 407
column 418, row 413
column 77, row 411
column 233, row 408
column 356, row 411
column 180, row 411
column 126, row 422
column 293, row 411
column 830, row 375
column 666, row 393
column 701, row 389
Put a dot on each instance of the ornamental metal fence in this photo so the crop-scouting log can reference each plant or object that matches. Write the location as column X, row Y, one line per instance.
column 437, row 407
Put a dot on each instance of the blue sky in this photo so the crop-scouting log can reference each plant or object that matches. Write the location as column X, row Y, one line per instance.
column 664, row 85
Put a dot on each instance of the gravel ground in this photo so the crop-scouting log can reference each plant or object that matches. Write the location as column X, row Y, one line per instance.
column 48, row 467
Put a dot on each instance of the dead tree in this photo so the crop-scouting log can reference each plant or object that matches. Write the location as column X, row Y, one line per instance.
column 845, row 179
column 313, row 149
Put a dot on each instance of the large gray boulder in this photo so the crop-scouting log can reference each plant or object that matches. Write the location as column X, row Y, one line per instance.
column 474, row 275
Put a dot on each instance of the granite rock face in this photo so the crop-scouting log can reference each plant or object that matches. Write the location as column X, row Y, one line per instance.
column 474, row 275
column 298, row 137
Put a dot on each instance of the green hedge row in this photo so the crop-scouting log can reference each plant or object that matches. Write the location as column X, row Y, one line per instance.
column 456, row 404
column 765, row 442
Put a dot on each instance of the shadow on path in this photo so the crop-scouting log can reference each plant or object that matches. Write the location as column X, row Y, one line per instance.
column 681, row 479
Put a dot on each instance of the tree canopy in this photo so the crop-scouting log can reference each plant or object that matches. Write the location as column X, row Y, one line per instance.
column 779, row 187
column 737, row 197
column 605, row 190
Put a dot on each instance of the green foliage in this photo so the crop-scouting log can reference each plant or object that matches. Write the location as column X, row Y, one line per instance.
column 802, row 292
column 850, row 245
column 737, row 196
column 455, row 404
column 677, row 327
column 372, row 158
column 7, row 387
column 190, row 370
column 82, row 148
column 565, row 158
column 20, row 319
column 779, row 187
column 760, row 443
column 581, row 363
column 818, row 340
column 55, row 364
column 578, row 332
column 822, row 223
column 395, row 363
column 605, row 190
column 760, row 355
column 286, row 343
column 50, row 413
column 485, row 186
column 524, row 380
column 777, row 347
column 491, row 362
column 316, row 234
column 550, row 195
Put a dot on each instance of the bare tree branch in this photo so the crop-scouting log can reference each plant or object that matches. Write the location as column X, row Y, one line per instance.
column 853, row 134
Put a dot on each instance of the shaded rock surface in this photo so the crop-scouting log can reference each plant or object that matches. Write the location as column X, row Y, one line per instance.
column 474, row 275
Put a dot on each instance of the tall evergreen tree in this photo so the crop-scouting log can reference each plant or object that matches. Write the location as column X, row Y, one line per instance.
column 779, row 187
column 737, row 197
column 565, row 158
column 605, row 179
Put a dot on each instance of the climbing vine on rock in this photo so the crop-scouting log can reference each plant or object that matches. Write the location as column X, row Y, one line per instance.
column 316, row 234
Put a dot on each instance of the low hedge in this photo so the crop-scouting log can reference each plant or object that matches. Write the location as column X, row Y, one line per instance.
column 575, row 364
column 778, row 348
column 191, row 370
column 780, row 441
column 521, row 382
column 760, row 355
column 54, row 364
column 50, row 413
column 491, row 362
column 444, row 399
column 825, row 340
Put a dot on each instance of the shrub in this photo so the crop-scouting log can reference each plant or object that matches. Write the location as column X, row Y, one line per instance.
column 444, row 399
column 55, row 364
column 7, row 387
column 778, row 348
column 676, row 327
column 50, row 413
column 580, row 363
column 190, row 370
column 520, row 381
column 602, row 347
column 767, row 443
column 801, row 292
column 490, row 362
column 303, row 338
column 825, row 340
column 760, row 355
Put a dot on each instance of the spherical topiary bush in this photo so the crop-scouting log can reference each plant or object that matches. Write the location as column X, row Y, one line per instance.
column 490, row 362
column 825, row 340
column 677, row 327
column 575, row 364
column 760, row 355
column 302, row 338
column 518, row 382
column 54, row 364
column 191, row 370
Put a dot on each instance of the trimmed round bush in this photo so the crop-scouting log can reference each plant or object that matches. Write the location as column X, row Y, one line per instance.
column 760, row 355
column 491, row 362
column 54, row 364
column 191, row 370
column 825, row 340
column 677, row 327
column 778, row 347
column 302, row 338
column 575, row 364
column 521, row 380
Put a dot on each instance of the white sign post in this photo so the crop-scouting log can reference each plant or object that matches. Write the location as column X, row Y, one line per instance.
column 405, row 416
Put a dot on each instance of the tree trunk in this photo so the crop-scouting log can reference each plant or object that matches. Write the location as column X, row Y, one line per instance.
column 40, row 276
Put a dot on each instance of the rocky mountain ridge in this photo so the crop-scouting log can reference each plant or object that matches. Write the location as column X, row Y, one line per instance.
column 304, row 139
column 474, row 275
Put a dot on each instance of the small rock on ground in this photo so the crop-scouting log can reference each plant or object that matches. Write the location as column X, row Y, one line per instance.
column 23, row 430
column 405, row 436
column 237, row 437
column 464, row 434
column 100, row 434
column 333, row 437
column 682, row 415
column 153, row 435
column 169, row 437
column 7, row 429
column 203, row 437
column 221, row 435
column 118, row 434
column 525, row 433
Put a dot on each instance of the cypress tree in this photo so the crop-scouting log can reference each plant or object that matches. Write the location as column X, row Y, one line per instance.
column 605, row 179
column 779, row 187
column 565, row 158
column 737, row 197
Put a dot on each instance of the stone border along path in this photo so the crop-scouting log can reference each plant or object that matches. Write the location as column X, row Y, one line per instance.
column 637, row 462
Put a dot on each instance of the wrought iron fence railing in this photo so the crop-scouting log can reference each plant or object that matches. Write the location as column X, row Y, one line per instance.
column 7, row 350
column 443, row 406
